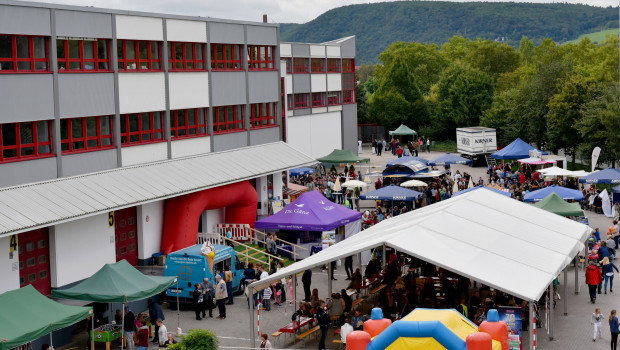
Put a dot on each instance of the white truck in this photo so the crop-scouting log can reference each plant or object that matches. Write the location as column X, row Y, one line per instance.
column 476, row 143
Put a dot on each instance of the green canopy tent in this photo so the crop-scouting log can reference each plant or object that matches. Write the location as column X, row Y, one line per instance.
column 339, row 156
column 557, row 205
column 28, row 315
column 403, row 130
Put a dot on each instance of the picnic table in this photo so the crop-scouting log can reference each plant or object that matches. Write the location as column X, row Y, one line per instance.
column 378, row 289
column 294, row 326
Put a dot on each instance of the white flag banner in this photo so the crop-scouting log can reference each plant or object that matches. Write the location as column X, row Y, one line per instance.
column 595, row 153
column 606, row 203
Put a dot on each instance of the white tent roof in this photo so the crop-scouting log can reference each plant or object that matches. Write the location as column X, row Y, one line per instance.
column 557, row 171
column 488, row 237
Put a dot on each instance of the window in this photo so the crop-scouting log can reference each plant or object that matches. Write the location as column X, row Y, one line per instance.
column 19, row 141
column 290, row 99
column 186, row 56
column 318, row 99
column 289, row 64
column 226, row 57
column 263, row 114
column 188, row 122
column 23, row 54
column 42, row 274
column 228, row 118
column 348, row 65
column 333, row 98
column 83, row 55
column 261, row 57
column 348, row 96
column 141, row 128
column 42, row 259
column 348, row 87
column 301, row 101
column 139, row 55
column 300, row 65
column 318, row 65
column 333, row 65
column 86, row 134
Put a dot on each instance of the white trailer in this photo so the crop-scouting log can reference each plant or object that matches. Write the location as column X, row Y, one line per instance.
column 476, row 143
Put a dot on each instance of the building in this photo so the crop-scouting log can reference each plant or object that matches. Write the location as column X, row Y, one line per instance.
column 321, row 109
column 107, row 115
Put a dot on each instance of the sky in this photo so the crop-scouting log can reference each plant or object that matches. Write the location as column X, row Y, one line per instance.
column 278, row 11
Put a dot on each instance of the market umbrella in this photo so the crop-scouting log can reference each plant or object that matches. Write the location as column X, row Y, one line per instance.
column 563, row 192
column 354, row 183
column 301, row 171
column 606, row 176
column 337, row 187
column 471, row 184
column 455, row 189
column 414, row 183
column 392, row 193
column 449, row 158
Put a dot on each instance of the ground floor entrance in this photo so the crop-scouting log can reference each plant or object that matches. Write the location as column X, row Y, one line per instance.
column 34, row 265
column 125, row 230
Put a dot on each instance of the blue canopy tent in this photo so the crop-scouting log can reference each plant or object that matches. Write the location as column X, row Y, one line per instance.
column 448, row 159
column 392, row 193
column 301, row 171
column 408, row 168
column 507, row 194
column 405, row 159
column 517, row 149
column 605, row 176
column 563, row 192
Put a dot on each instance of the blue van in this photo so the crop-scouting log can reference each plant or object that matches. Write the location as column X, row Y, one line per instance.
column 191, row 267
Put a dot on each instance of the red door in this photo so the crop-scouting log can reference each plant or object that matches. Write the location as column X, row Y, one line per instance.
column 34, row 265
column 126, row 238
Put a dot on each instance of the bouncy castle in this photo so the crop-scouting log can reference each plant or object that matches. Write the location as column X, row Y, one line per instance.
column 430, row 329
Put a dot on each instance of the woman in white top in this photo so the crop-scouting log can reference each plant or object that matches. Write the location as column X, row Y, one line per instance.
column 595, row 320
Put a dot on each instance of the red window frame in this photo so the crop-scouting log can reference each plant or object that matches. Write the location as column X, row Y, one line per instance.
column 146, row 131
column 348, row 96
column 282, row 99
column 290, row 101
column 318, row 99
column 186, row 123
column 220, row 60
column 333, row 65
column 39, row 147
column 98, row 64
column 184, row 56
column 301, row 101
column 300, row 65
column 317, row 65
column 263, row 115
column 261, row 57
column 10, row 62
column 95, row 140
column 348, row 65
column 289, row 65
column 333, row 98
column 139, row 63
column 228, row 119
column 348, row 88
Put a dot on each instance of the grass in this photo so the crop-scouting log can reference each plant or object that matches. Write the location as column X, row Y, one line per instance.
column 444, row 146
column 596, row 37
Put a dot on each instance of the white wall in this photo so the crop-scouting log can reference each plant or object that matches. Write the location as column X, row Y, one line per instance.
column 141, row 92
column 80, row 248
column 285, row 50
column 317, row 51
column 277, row 185
column 334, row 82
column 261, row 190
column 189, row 90
column 139, row 28
column 212, row 217
column 333, row 51
column 318, row 82
column 288, row 83
column 191, row 146
column 186, row 31
column 319, row 110
column 334, row 108
column 9, row 267
column 151, row 152
column 150, row 228
column 315, row 135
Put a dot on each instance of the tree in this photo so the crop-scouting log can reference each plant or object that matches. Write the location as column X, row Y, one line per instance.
column 526, row 50
column 197, row 339
column 492, row 57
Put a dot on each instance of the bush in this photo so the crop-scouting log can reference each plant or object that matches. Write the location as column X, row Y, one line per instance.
column 197, row 339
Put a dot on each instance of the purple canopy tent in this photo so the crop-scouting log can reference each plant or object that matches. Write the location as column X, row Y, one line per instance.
column 310, row 212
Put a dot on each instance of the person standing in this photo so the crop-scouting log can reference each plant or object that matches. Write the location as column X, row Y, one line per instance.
column 374, row 146
column 379, row 147
column 128, row 325
column 428, row 145
column 596, row 320
column 265, row 344
column 220, row 296
column 593, row 279
column 162, row 332
column 143, row 336
column 207, row 298
column 613, row 328
column 608, row 274
column 154, row 314
column 323, row 318
column 306, row 279
column 348, row 266
column 198, row 300
column 228, row 278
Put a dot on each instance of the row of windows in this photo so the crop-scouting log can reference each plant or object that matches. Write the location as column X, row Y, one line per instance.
column 319, row 65
column 19, row 53
column 28, row 140
column 320, row 99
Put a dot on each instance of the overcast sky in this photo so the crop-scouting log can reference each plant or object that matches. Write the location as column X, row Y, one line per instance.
column 280, row 11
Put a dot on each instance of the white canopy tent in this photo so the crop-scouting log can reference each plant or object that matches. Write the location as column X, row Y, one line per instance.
column 482, row 235
column 556, row 171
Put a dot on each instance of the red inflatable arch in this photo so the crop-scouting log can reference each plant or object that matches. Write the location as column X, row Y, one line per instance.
column 182, row 213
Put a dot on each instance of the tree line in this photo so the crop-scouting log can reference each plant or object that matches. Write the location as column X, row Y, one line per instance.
column 554, row 96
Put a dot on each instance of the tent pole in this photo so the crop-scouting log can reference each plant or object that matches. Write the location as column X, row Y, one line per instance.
column 52, row 331
column 330, row 272
column 550, row 297
column 294, row 296
column 359, row 261
column 178, row 309
column 532, row 325
column 92, row 331
column 565, row 291
column 576, row 276
column 252, row 330
column 123, row 327
column 383, row 256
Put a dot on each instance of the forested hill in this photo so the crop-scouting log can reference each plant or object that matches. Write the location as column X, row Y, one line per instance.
column 380, row 24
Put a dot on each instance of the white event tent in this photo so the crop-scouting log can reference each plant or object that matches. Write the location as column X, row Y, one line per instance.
column 485, row 236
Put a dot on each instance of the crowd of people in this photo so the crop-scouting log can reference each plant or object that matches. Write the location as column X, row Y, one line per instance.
column 422, row 144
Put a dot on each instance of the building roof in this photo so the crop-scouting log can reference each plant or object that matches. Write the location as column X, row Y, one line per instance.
column 46, row 203
column 482, row 235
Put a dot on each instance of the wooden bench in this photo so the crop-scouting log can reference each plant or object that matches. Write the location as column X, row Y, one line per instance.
column 356, row 302
column 275, row 335
column 378, row 289
column 305, row 334
column 340, row 344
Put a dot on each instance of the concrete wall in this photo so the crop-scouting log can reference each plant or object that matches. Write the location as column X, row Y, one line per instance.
column 188, row 90
column 210, row 218
column 24, row 20
column 228, row 88
column 226, row 33
column 16, row 173
column 266, row 135
column 301, row 83
column 80, row 248
column 261, row 35
column 88, row 162
column 263, row 86
column 349, row 127
column 83, row 24
column 230, row 141
column 139, row 28
column 190, row 146
column 141, row 154
column 26, row 97
column 141, row 92
column 186, row 31
column 9, row 267
column 316, row 135
column 82, row 95
column 150, row 228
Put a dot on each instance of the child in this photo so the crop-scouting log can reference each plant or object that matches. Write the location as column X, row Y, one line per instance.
column 267, row 298
column 596, row 319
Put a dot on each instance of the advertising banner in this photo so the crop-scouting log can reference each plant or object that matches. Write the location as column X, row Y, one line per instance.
column 514, row 318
